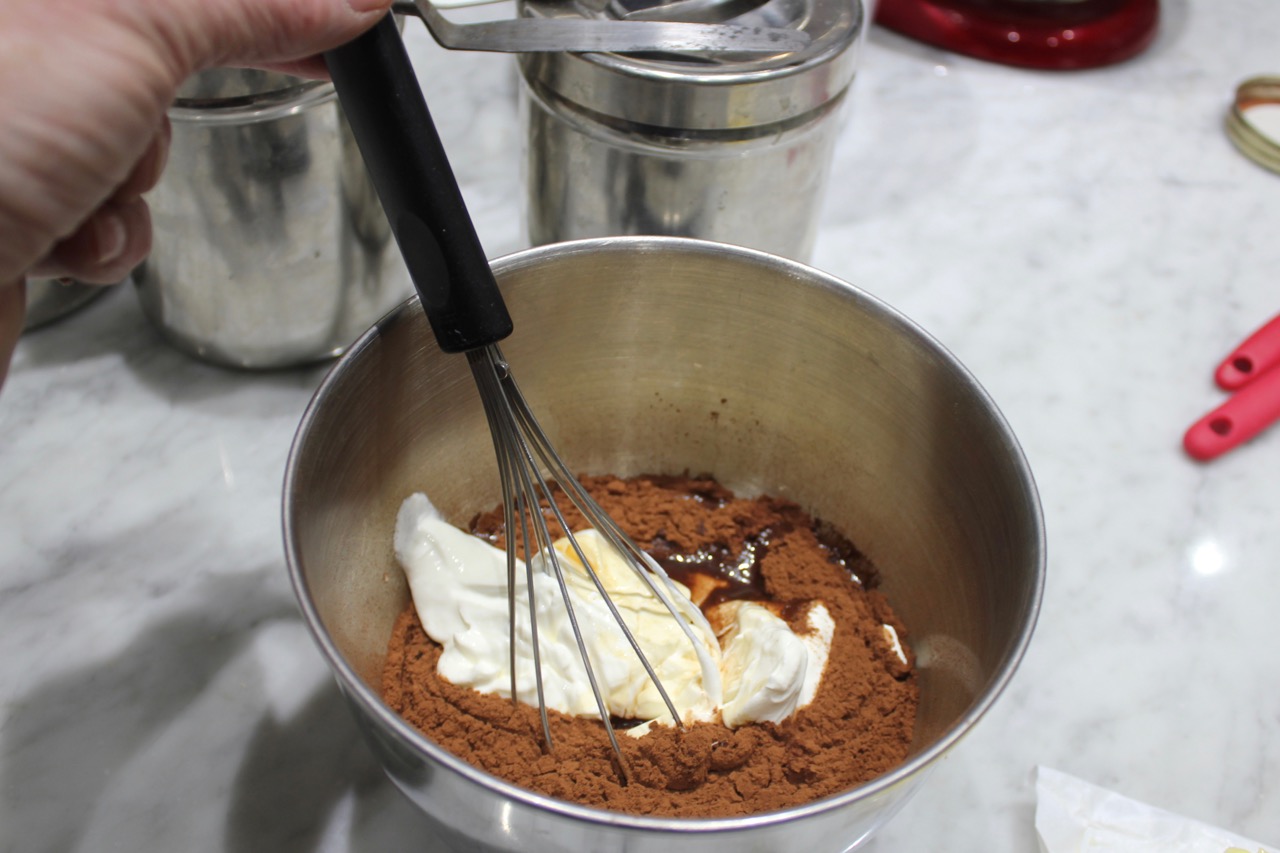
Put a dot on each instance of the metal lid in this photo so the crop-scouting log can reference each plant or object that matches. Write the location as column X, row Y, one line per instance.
column 723, row 91
column 1253, row 123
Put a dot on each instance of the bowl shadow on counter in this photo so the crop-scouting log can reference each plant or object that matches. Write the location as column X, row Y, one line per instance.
column 311, row 782
column 71, row 735
column 73, row 742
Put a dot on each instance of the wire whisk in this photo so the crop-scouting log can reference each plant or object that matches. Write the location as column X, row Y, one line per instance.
column 531, row 472
column 407, row 163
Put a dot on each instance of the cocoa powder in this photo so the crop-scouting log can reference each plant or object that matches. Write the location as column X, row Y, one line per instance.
column 858, row 726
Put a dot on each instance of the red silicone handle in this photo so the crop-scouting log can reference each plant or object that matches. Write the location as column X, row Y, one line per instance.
column 1248, row 412
column 1256, row 356
column 1083, row 34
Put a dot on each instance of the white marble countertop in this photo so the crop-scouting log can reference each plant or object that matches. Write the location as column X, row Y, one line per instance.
column 1088, row 243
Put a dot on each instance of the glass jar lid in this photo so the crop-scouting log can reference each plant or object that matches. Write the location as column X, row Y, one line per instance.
column 1253, row 122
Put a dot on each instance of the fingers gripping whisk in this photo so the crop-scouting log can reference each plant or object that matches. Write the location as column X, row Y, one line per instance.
column 533, row 477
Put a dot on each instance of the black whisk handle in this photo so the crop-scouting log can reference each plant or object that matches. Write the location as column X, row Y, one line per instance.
column 383, row 103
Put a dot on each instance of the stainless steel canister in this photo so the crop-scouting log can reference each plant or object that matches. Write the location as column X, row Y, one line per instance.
column 729, row 147
column 270, row 248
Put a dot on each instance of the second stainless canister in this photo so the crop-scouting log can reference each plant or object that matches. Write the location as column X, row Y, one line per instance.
column 733, row 147
column 270, row 247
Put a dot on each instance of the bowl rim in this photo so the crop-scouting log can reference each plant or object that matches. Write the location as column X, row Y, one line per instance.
column 358, row 691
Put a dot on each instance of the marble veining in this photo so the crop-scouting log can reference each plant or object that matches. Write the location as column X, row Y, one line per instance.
column 1089, row 244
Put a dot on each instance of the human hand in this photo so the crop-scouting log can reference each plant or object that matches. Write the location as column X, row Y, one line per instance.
column 85, row 85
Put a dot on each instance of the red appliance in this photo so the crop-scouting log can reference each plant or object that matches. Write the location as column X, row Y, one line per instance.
column 1048, row 34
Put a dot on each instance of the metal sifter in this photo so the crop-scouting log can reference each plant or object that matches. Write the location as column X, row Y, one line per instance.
column 409, row 168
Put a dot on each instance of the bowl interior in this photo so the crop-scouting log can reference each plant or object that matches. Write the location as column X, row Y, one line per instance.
column 665, row 355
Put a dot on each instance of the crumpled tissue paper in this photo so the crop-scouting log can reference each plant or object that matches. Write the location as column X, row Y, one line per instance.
column 1073, row 816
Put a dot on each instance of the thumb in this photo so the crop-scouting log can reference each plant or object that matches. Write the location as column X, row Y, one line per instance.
column 205, row 33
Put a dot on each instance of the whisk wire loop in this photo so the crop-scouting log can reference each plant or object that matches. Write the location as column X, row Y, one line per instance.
column 643, row 565
column 520, row 445
column 506, row 443
column 598, row 519
column 528, row 484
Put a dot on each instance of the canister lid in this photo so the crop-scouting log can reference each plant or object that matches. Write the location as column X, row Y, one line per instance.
column 720, row 91
column 1253, row 122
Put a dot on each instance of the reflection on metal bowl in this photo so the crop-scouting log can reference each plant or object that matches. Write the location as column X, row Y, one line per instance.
column 652, row 354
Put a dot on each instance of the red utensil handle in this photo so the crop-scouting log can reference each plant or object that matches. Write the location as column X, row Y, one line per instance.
column 1257, row 355
column 1245, row 414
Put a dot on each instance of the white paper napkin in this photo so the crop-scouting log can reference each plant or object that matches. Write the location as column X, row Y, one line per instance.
column 1073, row 816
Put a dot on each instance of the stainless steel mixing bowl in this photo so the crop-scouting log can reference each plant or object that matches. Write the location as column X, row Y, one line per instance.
column 653, row 354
